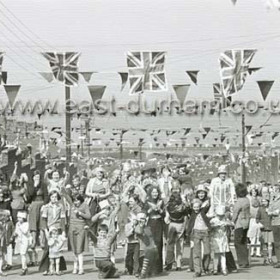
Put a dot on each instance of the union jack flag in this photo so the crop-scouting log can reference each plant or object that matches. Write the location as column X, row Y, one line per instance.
column 234, row 66
column 146, row 71
column 218, row 92
column 64, row 66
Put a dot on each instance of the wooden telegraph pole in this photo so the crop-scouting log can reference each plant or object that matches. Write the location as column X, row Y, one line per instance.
column 68, row 126
column 243, row 165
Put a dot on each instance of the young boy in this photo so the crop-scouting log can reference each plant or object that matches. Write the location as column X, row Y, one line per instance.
column 198, row 229
column 102, row 252
column 133, row 248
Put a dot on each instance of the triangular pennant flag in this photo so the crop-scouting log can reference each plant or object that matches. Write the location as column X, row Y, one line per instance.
column 187, row 130
column 87, row 75
column 234, row 2
column 124, row 78
column 207, row 129
column 181, row 92
column 197, row 139
column 12, row 92
column 265, row 87
column 222, row 138
column 96, row 92
column 48, row 76
column 3, row 77
column 275, row 135
column 205, row 157
column 253, row 69
column 248, row 128
column 204, row 135
column 193, row 76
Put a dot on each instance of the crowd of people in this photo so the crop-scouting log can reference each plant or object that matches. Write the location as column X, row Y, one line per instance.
column 154, row 213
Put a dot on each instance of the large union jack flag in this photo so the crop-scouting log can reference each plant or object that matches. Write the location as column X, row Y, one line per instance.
column 234, row 66
column 146, row 71
column 64, row 66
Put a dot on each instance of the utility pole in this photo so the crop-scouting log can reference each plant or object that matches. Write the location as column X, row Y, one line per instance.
column 243, row 166
column 68, row 126
column 140, row 148
column 121, row 144
column 87, row 121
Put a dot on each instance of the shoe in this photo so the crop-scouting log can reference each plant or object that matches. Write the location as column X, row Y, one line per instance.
column 270, row 261
column 258, row 256
column 207, row 272
column 215, row 272
column 234, row 271
column 178, row 268
column 58, row 273
column 3, row 274
column 168, row 267
column 277, row 265
column 7, row 267
column 197, row 274
column 23, row 272
column 244, row 266
column 75, row 272
column 45, row 273
column 265, row 262
column 136, row 275
column 30, row 264
column 142, row 276
column 225, row 273
column 81, row 272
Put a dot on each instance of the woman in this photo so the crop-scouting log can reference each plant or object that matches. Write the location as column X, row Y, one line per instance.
column 274, row 213
column 79, row 214
column 36, row 195
column 241, row 219
column 97, row 189
column 17, row 188
column 53, row 215
column 254, row 228
column 155, row 213
column 176, row 212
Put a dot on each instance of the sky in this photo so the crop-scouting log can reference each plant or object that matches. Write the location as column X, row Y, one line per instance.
column 192, row 32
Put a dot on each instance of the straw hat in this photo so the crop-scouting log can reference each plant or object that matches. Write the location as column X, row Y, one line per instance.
column 141, row 216
column 222, row 169
column 201, row 188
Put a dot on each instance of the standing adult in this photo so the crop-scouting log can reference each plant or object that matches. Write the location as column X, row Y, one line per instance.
column 221, row 191
column 241, row 219
column 274, row 212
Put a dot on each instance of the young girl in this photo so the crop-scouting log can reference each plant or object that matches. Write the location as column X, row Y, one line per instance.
column 22, row 239
column 220, row 243
column 55, row 243
column 264, row 221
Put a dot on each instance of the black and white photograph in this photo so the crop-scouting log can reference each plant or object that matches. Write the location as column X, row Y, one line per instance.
column 140, row 139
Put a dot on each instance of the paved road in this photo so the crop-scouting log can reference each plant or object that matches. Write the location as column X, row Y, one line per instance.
column 257, row 270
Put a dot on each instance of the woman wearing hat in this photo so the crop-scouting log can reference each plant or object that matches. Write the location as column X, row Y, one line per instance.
column 221, row 191
column 97, row 189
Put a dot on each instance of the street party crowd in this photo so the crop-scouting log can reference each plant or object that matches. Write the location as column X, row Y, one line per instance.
column 152, row 211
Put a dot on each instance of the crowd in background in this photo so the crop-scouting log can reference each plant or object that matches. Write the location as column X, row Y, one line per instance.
column 153, row 212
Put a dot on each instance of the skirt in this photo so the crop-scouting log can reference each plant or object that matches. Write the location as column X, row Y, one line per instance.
column 254, row 229
column 35, row 217
column 267, row 237
column 78, row 238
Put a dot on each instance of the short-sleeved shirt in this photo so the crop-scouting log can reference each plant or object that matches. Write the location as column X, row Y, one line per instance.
column 53, row 213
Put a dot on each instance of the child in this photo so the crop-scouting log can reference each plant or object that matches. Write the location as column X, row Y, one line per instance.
column 220, row 243
column 133, row 247
column 55, row 243
column 264, row 221
column 198, row 229
column 148, row 245
column 102, row 254
column 9, row 229
column 22, row 239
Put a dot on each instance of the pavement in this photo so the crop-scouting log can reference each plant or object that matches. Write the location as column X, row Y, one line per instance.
column 256, row 271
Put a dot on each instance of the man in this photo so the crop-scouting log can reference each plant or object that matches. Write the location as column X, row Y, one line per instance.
column 221, row 191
